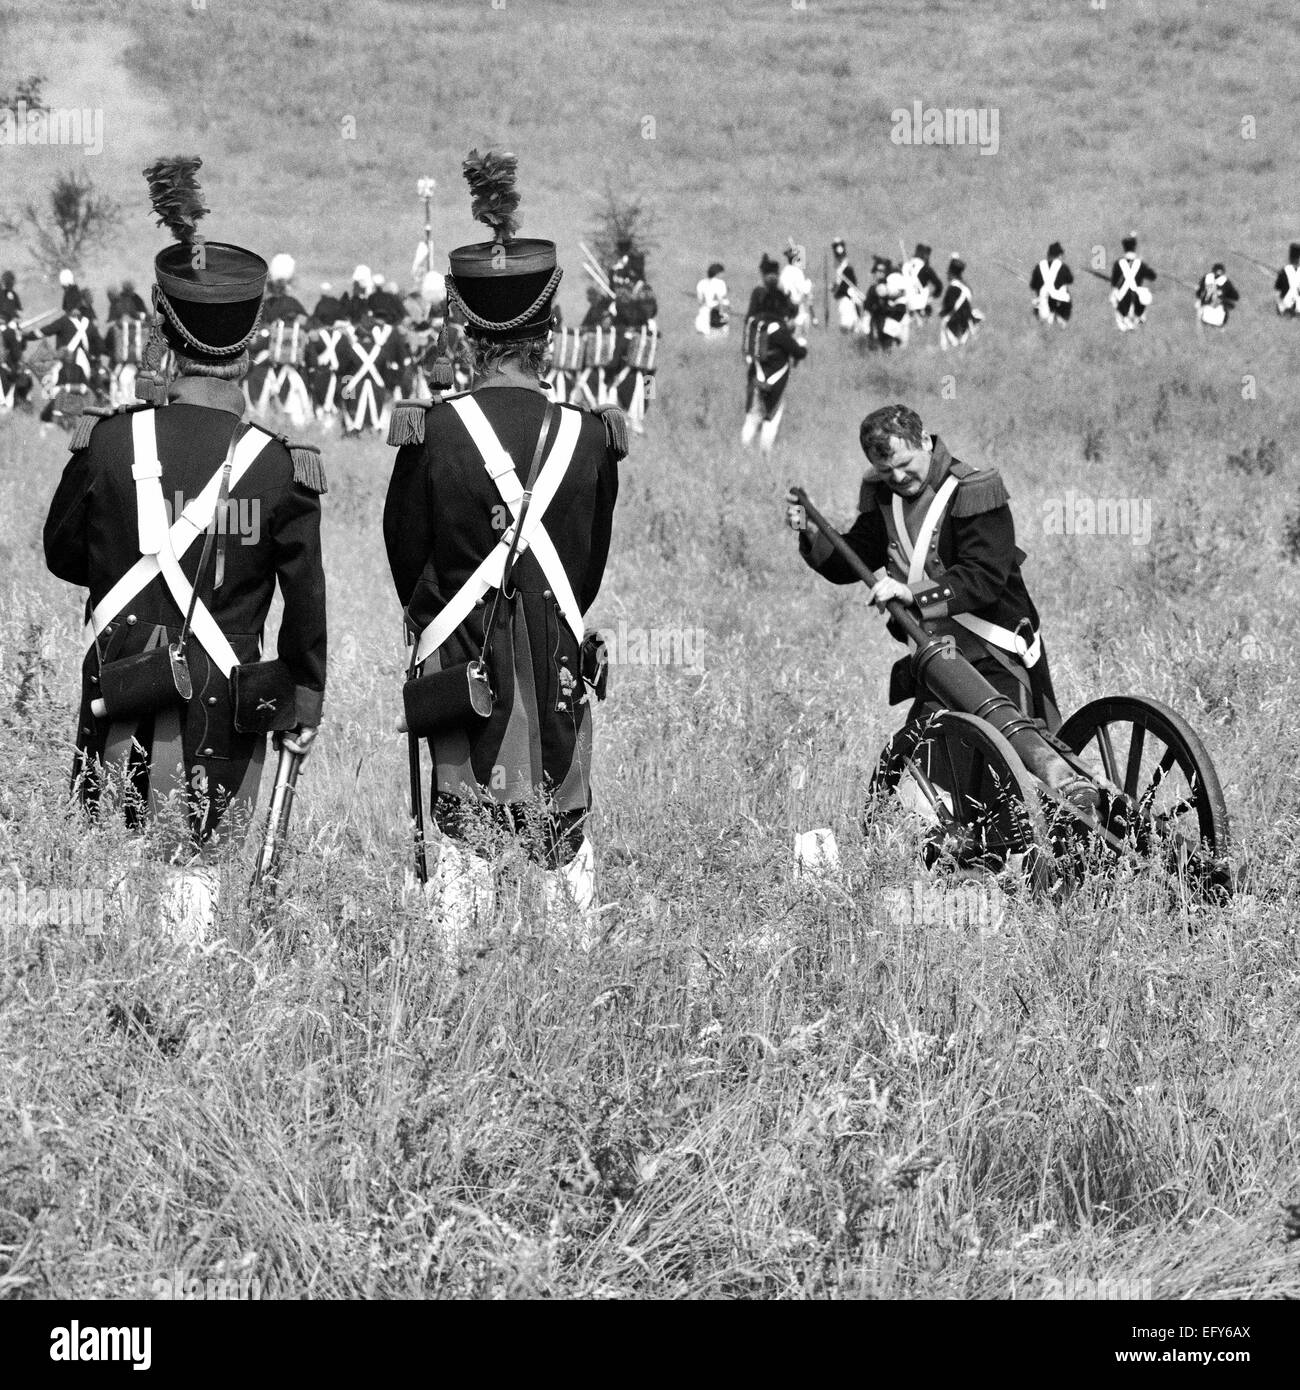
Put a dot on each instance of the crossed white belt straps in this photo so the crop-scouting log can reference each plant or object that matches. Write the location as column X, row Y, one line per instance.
column 915, row 553
column 161, row 546
column 1292, row 296
column 501, row 469
column 1129, row 272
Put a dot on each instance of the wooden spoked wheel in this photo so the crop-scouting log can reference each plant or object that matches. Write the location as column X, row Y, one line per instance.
column 964, row 777
column 1172, row 810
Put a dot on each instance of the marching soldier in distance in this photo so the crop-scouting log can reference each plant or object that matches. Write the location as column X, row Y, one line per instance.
column 1216, row 297
column 1129, row 278
column 636, row 335
column 845, row 292
column 943, row 531
column 797, row 287
column 925, row 289
column 714, row 312
column 497, row 525
column 1287, row 284
column 958, row 316
column 81, row 350
column 175, row 698
column 11, row 307
column 771, row 350
column 73, row 295
column 1049, row 283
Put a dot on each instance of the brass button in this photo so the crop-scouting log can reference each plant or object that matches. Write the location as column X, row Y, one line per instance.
column 130, row 620
column 546, row 593
column 212, row 699
column 205, row 752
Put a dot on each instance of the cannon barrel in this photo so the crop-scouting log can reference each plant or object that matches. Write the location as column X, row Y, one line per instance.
column 941, row 669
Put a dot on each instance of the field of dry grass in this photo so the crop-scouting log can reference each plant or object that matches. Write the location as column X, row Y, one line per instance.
column 755, row 1085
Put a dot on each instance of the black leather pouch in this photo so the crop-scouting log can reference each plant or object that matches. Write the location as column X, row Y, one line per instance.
column 264, row 697
column 458, row 696
column 593, row 662
column 144, row 683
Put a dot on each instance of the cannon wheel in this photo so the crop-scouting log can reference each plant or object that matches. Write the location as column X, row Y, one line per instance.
column 1175, row 804
column 984, row 803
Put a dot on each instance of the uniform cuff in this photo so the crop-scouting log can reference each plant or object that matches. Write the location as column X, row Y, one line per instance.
column 815, row 548
column 934, row 600
column 307, row 706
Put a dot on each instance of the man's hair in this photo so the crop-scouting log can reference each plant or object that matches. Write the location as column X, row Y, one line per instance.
column 488, row 355
column 890, row 421
column 226, row 369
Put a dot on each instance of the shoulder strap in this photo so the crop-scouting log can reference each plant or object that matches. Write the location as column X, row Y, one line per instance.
column 517, row 529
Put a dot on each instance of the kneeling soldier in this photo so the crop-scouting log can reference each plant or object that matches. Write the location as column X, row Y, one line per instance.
column 497, row 525
column 944, row 533
column 174, row 693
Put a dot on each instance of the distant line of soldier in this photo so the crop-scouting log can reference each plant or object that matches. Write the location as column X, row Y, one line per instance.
column 349, row 358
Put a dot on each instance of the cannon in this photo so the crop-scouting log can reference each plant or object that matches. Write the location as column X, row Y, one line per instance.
column 990, row 779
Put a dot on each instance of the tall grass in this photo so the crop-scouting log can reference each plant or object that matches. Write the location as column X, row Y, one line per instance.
column 755, row 1084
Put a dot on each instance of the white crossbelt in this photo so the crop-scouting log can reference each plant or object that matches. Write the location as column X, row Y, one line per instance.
column 916, row 552
column 961, row 298
column 1128, row 271
column 161, row 547
column 1292, row 296
column 1049, row 270
column 501, row 469
column 78, row 346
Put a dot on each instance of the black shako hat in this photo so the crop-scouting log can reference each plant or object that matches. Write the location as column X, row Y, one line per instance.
column 209, row 292
column 504, row 287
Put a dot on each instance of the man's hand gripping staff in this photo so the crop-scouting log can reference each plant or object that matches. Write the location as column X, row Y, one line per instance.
column 940, row 667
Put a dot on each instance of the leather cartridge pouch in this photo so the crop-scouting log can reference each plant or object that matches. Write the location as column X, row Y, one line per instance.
column 263, row 697
column 593, row 662
column 146, row 682
column 454, row 697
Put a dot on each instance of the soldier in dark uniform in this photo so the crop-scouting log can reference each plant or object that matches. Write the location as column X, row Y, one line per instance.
column 636, row 338
column 120, row 539
column 527, row 766
column 1130, row 277
column 81, row 351
column 943, row 531
column 11, row 307
column 771, row 350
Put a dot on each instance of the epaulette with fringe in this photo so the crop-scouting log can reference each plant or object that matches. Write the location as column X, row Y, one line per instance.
column 92, row 415
column 308, row 470
column 980, row 490
column 615, row 423
column 407, row 423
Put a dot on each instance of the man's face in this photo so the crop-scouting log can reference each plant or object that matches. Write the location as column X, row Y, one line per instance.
column 903, row 466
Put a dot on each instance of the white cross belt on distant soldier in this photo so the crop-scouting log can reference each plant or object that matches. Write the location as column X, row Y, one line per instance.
column 1129, row 295
column 1287, row 284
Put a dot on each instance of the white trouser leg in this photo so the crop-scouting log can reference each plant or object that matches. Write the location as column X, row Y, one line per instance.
column 749, row 430
column 768, row 430
column 570, row 892
column 461, row 894
column 187, row 910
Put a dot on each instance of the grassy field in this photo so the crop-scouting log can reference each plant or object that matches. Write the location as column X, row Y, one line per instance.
column 756, row 1085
